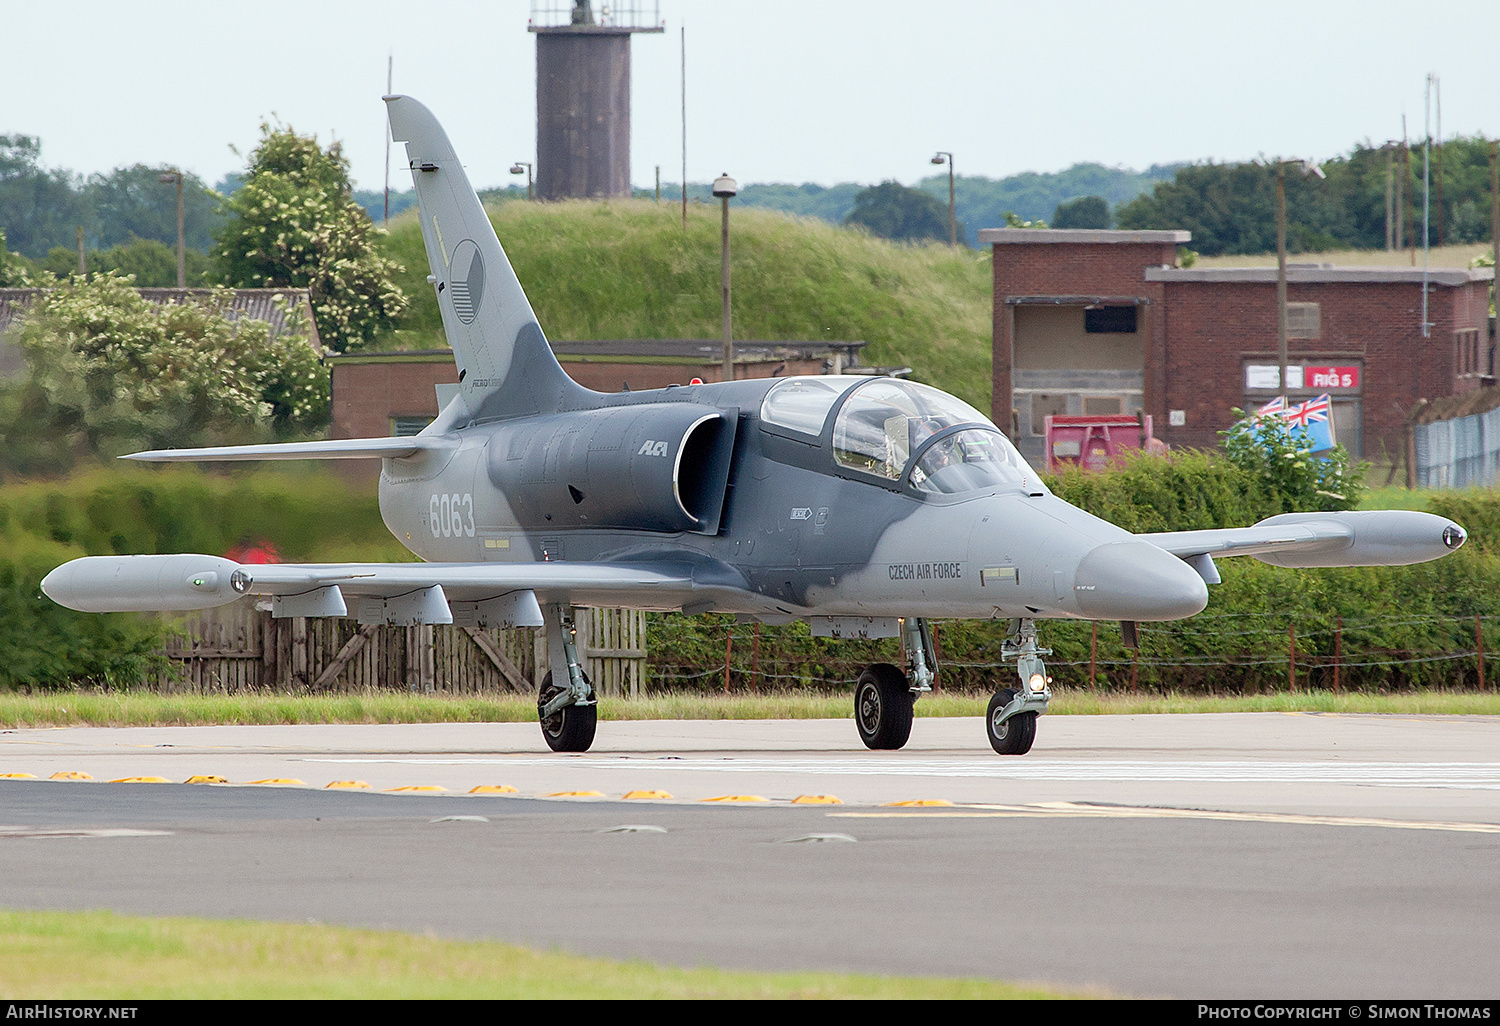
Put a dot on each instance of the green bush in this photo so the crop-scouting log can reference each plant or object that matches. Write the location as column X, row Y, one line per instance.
column 310, row 516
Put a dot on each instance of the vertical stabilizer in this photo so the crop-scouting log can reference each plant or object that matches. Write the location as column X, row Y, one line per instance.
column 505, row 366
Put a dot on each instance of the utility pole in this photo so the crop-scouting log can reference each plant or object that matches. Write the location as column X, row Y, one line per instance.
column 724, row 188
column 1426, row 197
column 1281, row 382
column 1308, row 168
column 684, row 128
column 390, row 60
column 168, row 178
column 943, row 157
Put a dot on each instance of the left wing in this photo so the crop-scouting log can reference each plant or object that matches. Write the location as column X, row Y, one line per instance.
column 1387, row 537
column 490, row 594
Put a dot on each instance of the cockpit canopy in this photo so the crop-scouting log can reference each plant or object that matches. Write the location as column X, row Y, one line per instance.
column 884, row 428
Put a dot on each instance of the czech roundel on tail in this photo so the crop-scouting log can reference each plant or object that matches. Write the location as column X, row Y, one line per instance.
column 864, row 505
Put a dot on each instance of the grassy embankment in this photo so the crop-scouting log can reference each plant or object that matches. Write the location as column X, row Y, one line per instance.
column 99, row 955
column 627, row 269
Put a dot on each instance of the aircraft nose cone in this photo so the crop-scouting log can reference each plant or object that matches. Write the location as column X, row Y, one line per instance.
column 1137, row 581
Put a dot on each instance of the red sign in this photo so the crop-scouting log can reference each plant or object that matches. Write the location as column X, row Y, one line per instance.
column 1331, row 377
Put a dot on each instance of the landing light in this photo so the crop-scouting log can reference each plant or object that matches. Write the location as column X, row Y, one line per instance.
column 1038, row 683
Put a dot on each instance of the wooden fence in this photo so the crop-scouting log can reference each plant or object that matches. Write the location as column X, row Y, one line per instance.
column 238, row 648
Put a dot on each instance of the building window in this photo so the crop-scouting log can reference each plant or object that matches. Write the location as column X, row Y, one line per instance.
column 1099, row 320
column 1304, row 320
column 405, row 427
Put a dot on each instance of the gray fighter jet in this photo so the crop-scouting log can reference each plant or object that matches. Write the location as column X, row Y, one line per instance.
column 863, row 505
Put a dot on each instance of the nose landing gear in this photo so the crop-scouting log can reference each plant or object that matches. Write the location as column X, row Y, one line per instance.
column 1010, row 720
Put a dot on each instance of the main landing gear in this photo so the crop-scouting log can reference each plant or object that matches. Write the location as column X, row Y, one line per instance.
column 568, row 711
column 885, row 695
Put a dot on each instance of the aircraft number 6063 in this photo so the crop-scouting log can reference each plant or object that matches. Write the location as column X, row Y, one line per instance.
column 451, row 516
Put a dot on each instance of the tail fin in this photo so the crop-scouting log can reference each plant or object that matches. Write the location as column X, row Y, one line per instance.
column 505, row 366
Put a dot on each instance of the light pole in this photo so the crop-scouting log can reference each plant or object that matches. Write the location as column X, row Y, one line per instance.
column 942, row 157
column 167, row 178
column 724, row 188
column 520, row 167
column 1308, row 168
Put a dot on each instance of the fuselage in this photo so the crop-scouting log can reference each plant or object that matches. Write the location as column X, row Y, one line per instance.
column 782, row 519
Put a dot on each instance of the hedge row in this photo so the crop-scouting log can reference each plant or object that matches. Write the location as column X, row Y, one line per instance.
column 1394, row 620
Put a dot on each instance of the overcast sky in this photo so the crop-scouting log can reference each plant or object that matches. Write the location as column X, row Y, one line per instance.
column 778, row 90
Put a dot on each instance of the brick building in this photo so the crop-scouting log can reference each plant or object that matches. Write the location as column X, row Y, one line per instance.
column 1106, row 322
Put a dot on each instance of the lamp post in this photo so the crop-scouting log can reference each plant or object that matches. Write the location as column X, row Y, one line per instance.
column 724, row 188
column 1308, row 168
column 942, row 157
column 168, row 178
column 521, row 167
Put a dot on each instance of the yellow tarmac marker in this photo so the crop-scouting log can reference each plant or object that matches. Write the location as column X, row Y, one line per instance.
column 418, row 787
column 141, row 780
column 204, row 778
column 575, row 794
column 493, row 789
column 17, row 776
column 71, row 775
column 280, row 780
column 737, row 798
column 817, row 799
column 647, row 794
column 356, row 784
column 919, row 803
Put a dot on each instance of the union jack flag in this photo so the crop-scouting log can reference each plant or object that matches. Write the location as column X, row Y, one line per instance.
column 1275, row 408
column 1312, row 411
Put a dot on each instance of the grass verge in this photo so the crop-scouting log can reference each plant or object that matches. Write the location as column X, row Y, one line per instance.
column 141, row 709
column 129, row 957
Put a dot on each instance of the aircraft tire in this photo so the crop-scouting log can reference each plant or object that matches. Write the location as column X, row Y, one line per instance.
column 572, row 729
column 883, row 707
column 1014, row 737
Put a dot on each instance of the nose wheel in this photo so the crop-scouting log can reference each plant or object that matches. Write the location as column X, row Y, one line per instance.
column 1010, row 719
column 1011, row 736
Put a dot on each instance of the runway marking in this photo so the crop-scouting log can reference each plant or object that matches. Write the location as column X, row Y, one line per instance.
column 1078, row 810
column 1463, row 775
column 26, row 832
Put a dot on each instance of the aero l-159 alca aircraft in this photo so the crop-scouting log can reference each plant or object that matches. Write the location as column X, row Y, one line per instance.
column 863, row 505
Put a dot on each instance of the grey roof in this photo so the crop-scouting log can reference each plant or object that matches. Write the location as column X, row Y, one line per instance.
column 269, row 305
column 1078, row 236
column 1451, row 276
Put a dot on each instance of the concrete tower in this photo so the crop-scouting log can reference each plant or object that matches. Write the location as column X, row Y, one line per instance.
column 583, row 95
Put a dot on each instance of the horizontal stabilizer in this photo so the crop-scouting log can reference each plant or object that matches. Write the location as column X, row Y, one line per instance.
column 333, row 449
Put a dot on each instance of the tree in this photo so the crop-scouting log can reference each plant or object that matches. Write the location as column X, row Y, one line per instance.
column 1083, row 212
column 110, row 371
column 893, row 211
column 39, row 209
column 294, row 222
column 1283, row 465
column 151, row 263
column 133, row 203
